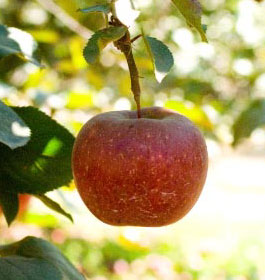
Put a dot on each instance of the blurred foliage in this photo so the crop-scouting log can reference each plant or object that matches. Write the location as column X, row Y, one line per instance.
column 251, row 118
column 218, row 80
column 113, row 259
column 220, row 86
column 134, row 254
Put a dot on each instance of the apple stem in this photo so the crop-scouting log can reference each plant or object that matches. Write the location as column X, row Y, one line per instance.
column 135, row 84
column 125, row 46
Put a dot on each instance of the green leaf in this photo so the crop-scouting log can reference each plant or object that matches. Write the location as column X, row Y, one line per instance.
column 100, row 40
column 54, row 206
column 35, row 259
column 15, row 267
column 9, row 205
column 7, row 45
column 13, row 131
column 98, row 8
column 160, row 55
column 250, row 119
column 16, row 41
column 44, row 163
column 192, row 12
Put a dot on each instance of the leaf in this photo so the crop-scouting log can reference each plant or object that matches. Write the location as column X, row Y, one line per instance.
column 15, row 267
column 54, row 206
column 7, row 45
column 13, row 131
column 44, row 163
column 9, row 205
column 16, row 41
column 192, row 12
column 160, row 55
column 250, row 119
column 100, row 40
column 98, row 8
column 35, row 259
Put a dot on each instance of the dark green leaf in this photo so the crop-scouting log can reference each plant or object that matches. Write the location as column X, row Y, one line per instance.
column 16, row 41
column 100, row 40
column 250, row 119
column 7, row 45
column 54, row 206
column 15, row 267
column 192, row 12
column 35, row 259
column 98, row 8
column 9, row 205
column 44, row 163
column 13, row 131
column 161, row 56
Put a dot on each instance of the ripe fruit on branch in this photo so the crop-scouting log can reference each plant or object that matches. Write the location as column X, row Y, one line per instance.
column 141, row 172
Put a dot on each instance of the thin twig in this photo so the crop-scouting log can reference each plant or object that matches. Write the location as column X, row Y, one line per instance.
column 132, row 4
column 67, row 20
column 136, row 37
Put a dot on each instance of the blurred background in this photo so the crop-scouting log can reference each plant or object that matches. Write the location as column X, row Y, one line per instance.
column 220, row 86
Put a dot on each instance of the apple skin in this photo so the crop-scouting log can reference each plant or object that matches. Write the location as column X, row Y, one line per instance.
column 140, row 172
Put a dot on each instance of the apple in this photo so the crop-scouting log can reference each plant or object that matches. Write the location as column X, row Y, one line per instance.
column 140, row 172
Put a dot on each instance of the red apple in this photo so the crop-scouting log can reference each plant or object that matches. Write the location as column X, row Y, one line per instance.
column 140, row 172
